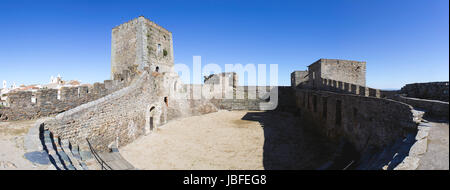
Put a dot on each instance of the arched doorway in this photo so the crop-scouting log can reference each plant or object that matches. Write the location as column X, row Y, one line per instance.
column 151, row 119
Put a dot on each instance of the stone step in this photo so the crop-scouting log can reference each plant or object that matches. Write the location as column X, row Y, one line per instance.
column 65, row 144
column 76, row 154
column 62, row 155
column 54, row 158
column 87, row 157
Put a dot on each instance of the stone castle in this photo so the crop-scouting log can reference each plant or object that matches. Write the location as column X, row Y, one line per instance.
column 144, row 93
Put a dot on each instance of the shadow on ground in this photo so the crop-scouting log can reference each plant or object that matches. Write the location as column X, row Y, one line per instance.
column 288, row 145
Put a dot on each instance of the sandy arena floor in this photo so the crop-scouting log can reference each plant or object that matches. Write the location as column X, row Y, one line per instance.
column 228, row 140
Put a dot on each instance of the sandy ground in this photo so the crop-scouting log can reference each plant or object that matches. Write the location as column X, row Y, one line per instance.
column 226, row 140
column 12, row 146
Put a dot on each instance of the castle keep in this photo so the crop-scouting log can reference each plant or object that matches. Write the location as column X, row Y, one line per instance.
column 141, row 43
column 145, row 93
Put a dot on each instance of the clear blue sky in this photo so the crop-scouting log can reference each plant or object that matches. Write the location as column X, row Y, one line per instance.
column 402, row 41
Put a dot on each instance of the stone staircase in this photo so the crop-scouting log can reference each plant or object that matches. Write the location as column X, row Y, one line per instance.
column 63, row 155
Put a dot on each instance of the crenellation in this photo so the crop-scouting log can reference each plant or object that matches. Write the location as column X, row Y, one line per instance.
column 354, row 89
column 363, row 91
column 431, row 90
column 340, row 113
column 340, row 85
column 47, row 97
column 374, row 92
column 347, row 87
column 46, row 102
column 108, row 84
column 99, row 89
column 69, row 93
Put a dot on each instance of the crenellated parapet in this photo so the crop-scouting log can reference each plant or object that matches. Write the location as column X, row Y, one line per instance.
column 363, row 121
column 45, row 102
column 344, row 87
column 430, row 90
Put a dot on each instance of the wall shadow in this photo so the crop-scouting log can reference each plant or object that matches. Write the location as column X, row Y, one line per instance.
column 288, row 144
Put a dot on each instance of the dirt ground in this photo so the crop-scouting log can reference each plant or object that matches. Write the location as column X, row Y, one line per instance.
column 228, row 140
column 12, row 146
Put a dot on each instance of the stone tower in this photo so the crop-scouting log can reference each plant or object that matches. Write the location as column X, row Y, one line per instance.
column 353, row 72
column 141, row 43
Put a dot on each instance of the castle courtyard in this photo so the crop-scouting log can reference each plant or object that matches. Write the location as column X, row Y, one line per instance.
column 242, row 140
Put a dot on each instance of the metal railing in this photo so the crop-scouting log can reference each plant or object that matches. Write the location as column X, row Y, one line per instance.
column 102, row 163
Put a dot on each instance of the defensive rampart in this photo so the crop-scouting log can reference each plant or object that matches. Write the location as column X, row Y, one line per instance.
column 363, row 121
column 128, row 113
column 432, row 108
column 431, row 90
column 45, row 102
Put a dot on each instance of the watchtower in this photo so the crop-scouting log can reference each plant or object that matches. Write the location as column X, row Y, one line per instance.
column 141, row 43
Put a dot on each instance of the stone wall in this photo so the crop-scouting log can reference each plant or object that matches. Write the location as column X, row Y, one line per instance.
column 139, row 48
column 431, row 90
column 158, row 47
column 349, row 88
column 125, row 47
column 340, row 70
column 242, row 97
column 121, row 114
column 226, row 79
column 299, row 78
column 141, row 43
column 362, row 121
column 245, row 98
column 126, row 114
column 45, row 102
column 432, row 108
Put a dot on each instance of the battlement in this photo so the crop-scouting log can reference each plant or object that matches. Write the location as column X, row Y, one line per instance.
column 363, row 121
column 341, row 70
column 430, row 90
column 349, row 88
column 344, row 87
column 135, row 20
column 45, row 102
